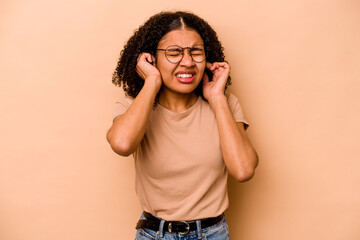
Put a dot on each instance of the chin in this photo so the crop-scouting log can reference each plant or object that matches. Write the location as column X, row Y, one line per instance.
column 183, row 87
column 186, row 88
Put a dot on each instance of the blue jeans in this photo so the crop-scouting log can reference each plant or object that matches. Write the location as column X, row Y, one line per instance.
column 219, row 231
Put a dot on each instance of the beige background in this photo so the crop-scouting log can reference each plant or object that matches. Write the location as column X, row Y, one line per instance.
column 295, row 68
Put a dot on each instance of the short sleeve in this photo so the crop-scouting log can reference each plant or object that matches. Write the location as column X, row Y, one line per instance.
column 236, row 110
column 122, row 106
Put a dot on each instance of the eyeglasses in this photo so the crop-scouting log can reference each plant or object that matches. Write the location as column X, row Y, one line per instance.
column 175, row 54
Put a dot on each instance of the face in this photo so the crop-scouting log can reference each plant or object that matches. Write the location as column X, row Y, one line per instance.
column 184, row 76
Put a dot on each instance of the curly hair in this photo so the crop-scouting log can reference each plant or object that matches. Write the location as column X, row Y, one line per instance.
column 146, row 39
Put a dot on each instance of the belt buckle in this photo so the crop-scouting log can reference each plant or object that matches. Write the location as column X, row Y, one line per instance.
column 187, row 226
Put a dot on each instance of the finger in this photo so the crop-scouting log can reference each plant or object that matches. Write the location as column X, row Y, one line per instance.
column 143, row 56
column 219, row 66
column 140, row 57
column 153, row 59
column 149, row 58
column 214, row 66
column 208, row 65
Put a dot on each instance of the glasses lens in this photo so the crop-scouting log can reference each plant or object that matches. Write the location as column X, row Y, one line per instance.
column 198, row 53
column 174, row 53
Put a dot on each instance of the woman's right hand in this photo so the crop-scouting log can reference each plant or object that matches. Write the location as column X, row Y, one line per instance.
column 146, row 69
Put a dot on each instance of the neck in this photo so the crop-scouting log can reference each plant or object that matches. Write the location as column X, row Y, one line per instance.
column 177, row 102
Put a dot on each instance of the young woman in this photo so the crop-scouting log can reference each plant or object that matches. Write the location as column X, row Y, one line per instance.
column 184, row 130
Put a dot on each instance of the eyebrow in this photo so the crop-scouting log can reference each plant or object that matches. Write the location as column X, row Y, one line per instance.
column 196, row 47
column 201, row 44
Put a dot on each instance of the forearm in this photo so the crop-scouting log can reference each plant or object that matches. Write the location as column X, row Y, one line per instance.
column 239, row 155
column 129, row 128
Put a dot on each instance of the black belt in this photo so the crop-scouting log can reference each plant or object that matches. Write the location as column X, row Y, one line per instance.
column 182, row 227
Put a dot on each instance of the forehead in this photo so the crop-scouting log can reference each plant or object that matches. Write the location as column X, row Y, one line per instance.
column 181, row 37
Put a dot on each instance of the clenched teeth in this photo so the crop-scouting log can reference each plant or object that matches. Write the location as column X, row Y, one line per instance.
column 184, row 75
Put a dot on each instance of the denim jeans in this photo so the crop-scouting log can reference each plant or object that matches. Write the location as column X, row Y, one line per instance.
column 218, row 231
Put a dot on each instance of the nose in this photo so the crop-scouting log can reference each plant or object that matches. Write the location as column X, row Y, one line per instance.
column 187, row 60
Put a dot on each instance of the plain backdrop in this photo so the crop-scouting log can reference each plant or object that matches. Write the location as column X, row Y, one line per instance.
column 295, row 69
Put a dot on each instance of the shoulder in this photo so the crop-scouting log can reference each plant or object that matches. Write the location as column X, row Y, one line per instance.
column 231, row 97
column 125, row 101
column 122, row 105
column 233, row 101
column 236, row 109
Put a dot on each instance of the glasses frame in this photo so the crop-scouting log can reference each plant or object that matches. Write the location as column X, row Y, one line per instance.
column 183, row 51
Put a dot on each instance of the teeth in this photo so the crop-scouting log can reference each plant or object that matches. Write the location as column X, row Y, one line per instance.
column 184, row 75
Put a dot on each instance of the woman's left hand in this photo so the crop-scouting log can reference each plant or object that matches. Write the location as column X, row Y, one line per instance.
column 216, row 87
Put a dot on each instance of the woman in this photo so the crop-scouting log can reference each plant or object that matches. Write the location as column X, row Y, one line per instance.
column 184, row 131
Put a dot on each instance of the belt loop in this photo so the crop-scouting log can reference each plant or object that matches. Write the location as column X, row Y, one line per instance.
column 199, row 230
column 161, row 228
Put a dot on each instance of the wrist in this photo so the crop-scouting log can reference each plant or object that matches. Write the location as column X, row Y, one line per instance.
column 217, row 100
column 153, row 82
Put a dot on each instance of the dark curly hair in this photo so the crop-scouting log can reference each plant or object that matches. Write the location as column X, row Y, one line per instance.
column 146, row 39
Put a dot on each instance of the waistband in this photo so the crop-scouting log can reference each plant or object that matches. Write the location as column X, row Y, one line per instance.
column 183, row 227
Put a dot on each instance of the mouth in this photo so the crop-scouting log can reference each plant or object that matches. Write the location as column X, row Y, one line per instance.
column 185, row 77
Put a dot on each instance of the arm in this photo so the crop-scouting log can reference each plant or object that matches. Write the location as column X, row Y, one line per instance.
column 239, row 156
column 129, row 128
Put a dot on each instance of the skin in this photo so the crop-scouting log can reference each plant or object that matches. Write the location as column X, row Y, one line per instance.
column 175, row 95
column 159, row 74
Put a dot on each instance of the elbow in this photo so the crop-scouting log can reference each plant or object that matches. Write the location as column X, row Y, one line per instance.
column 244, row 176
column 121, row 149
column 120, row 146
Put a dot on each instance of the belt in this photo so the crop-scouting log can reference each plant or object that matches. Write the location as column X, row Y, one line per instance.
column 182, row 227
